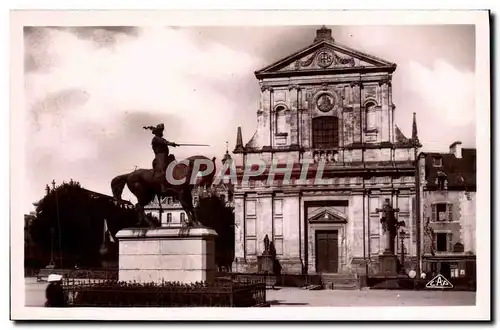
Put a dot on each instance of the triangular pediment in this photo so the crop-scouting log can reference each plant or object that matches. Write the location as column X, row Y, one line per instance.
column 326, row 55
column 328, row 215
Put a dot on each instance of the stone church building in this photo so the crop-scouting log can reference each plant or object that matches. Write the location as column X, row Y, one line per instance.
column 330, row 102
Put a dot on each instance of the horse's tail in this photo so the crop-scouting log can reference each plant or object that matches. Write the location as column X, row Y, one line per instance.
column 118, row 184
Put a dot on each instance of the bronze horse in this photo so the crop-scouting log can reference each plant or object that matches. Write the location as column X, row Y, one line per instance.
column 142, row 184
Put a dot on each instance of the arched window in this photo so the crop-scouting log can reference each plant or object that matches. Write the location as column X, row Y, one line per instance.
column 371, row 116
column 325, row 132
column 281, row 126
column 169, row 217
column 183, row 217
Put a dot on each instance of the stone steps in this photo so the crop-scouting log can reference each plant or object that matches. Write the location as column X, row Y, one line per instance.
column 340, row 281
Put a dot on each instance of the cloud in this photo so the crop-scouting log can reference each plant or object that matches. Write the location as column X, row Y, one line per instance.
column 89, row 105
column 447, row 91
column 444, row 99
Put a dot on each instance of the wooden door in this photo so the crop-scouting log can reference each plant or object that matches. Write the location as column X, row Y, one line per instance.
column 327, row 251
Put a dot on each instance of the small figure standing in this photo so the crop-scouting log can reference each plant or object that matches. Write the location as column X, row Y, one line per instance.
column 162, row 155
column 54, row 292
column 266, row 244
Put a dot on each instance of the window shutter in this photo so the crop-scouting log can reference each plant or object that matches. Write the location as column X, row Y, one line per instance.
column 434, row 217
column 450, row 242
column 450, row 212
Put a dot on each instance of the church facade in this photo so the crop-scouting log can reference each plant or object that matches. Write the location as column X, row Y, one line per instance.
column 325, row 103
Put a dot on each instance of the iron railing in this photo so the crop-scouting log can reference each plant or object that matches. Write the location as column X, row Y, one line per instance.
column 287, row 280
column 108, row 293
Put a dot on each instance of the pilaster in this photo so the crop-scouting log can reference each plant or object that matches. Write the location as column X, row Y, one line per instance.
column 239, row 228
column 355, row 226
column 386, row 113
column 293, row 106
column 264, row 219
column 266, row 116
column 291, row 225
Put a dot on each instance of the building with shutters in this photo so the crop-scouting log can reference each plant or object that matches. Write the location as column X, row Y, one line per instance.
column 449, row 211
column 332, row 103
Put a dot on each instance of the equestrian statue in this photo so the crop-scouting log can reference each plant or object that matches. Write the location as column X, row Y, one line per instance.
column 146, row 184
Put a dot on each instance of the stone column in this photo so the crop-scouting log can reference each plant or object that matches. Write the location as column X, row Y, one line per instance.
column 305, row 128
column 264, row 218
column 300, row 107
column 266, row 116
column 272, row 116
column 411, row 227
column 386, row 118
column 355, row 227
column 291, row 232
column 239, row 233
column 293, row 105
column 356, row 114
column 390, row 119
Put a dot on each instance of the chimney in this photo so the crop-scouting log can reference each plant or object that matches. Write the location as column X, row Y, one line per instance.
column 456, row 149
column 324, row 34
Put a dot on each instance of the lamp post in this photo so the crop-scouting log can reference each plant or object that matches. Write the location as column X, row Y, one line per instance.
column 52, row 263
column 402, row 236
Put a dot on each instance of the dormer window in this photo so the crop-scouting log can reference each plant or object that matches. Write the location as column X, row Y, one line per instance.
column 441, row 180
column 437, row 161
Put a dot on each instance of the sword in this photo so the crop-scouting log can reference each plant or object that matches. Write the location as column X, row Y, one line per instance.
column 191, row 145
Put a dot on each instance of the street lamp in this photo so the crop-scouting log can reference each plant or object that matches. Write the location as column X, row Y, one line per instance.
column 52, row 246
column 402, row 236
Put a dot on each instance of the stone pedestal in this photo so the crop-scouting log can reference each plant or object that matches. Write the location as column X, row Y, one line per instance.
column 265, row 263
column 166, row 254
column 388, row 264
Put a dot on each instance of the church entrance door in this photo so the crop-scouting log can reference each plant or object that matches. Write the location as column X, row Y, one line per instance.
column 327, row 251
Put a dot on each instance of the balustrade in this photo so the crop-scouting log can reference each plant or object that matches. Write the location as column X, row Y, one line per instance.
column 328, row 156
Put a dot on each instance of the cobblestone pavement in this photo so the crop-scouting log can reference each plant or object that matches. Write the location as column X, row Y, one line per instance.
column 344, row 298
column 295, row 297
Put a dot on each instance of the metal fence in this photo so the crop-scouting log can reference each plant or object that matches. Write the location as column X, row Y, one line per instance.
column 109, row 293
column 271, row 280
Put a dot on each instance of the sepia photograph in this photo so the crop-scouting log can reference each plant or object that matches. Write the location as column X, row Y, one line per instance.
column 166, row 161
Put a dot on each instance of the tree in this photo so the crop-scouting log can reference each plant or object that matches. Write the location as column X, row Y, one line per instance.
column 212, row 212
column 70, row 220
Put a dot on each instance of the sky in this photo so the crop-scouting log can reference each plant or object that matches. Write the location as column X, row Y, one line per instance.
column 90, row 90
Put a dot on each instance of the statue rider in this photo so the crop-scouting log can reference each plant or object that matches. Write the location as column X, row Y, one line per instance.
column 162, row 155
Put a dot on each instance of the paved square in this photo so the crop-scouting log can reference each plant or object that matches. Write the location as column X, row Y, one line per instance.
column 295, row 297
column 345, row 298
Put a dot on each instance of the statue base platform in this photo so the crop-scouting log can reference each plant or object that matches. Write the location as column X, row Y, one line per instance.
column 265, row 263
column 173, row 254
column 388, row 264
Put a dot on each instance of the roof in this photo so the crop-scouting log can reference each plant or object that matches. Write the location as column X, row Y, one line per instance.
column 454, row 168
column 342, row 59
